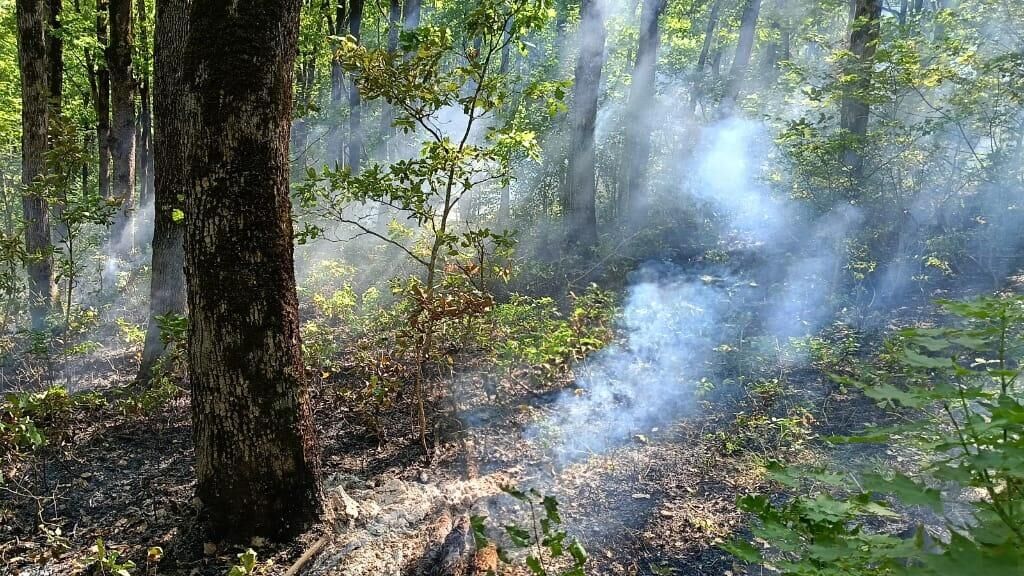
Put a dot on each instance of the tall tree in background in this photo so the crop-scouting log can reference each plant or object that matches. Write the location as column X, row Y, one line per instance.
column 99, row 84
column 355, row 131
column 35, row 96
column 697, row 90
column 855, row 110
column 55, row 59
column 581, row 185
column 741, row 60
column 639, row 116
column 122, row 131
column 336, row 143
column 173, row 106
column 144, row 131
column 256, row 456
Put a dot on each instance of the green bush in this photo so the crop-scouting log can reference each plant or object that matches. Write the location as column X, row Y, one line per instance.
column 957, row 387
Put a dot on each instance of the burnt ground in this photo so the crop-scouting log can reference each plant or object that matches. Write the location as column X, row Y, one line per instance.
column 658, row 504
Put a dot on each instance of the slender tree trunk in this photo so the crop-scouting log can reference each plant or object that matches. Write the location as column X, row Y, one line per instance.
column 741, row 60
column 55, row 59
column 55, row 62
column 355, row 128
column 122, row 131
column 32, row 55
column 144, row 135
column 304, row 104
column 697, row 91
column 411, row 11
column 639, row 114
column 337, row 144
column 100, row 81
column 855, row 110
column 174, row 106
column 581, row 189
column 505, row 200
column 387, row 115
column 257, row 464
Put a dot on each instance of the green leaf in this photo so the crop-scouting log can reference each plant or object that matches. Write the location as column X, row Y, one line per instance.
column 520, row 537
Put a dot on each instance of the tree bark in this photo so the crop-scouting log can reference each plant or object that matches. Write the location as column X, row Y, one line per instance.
column 411, row 10
column 639, row 115
column 256, row 457
column 337, row 144
column 122, row 131
column 581, row 189
column 173, row 103
column 144, row 135
column 741, row 60
column 697, row 90
column 100, row 84
column 355, row 129
column 855, row 109
column 33, row 46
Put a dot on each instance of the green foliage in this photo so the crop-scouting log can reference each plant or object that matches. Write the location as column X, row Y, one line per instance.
column 246, row 565
column 106, row 562
column 532, row 332
column 960, row 384
column 25, row 417
column 545, row 542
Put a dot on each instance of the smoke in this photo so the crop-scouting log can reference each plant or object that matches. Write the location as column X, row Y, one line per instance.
column 673, row 320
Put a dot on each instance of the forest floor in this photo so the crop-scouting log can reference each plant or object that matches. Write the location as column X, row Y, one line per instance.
column 660, row 503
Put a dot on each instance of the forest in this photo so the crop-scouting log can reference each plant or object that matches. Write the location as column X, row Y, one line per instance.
column 511, row 287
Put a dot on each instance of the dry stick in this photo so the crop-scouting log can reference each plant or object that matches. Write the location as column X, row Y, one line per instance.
column 308, row 555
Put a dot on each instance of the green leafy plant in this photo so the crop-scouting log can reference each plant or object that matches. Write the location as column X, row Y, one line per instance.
column 960, row 386
column 246, row 565
column 543, row 538
column 107, row 562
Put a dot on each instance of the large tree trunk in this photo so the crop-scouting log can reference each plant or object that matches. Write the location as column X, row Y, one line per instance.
column 855, row 110
column 32, row 56
column 122, row 132
column 581, row 189
column 355, row 128
column 639, row 114
column 174, row 106
column 257, row 465
column 741, row 60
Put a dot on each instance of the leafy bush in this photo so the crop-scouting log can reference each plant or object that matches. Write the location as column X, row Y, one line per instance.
column 959, row 384
column 543, row 539
column 531, row 332
column 25, row 416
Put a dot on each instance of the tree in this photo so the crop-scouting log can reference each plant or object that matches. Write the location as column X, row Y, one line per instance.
column 705, row 50
column 99, row 84
column 741, row 60
column 122, row 131
column 172, row 104
column 336, row 145
column 853, row 116
column 35, row 97
column 355, row 136
column 581, row 189
column 256, row 457
column 637, row 149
